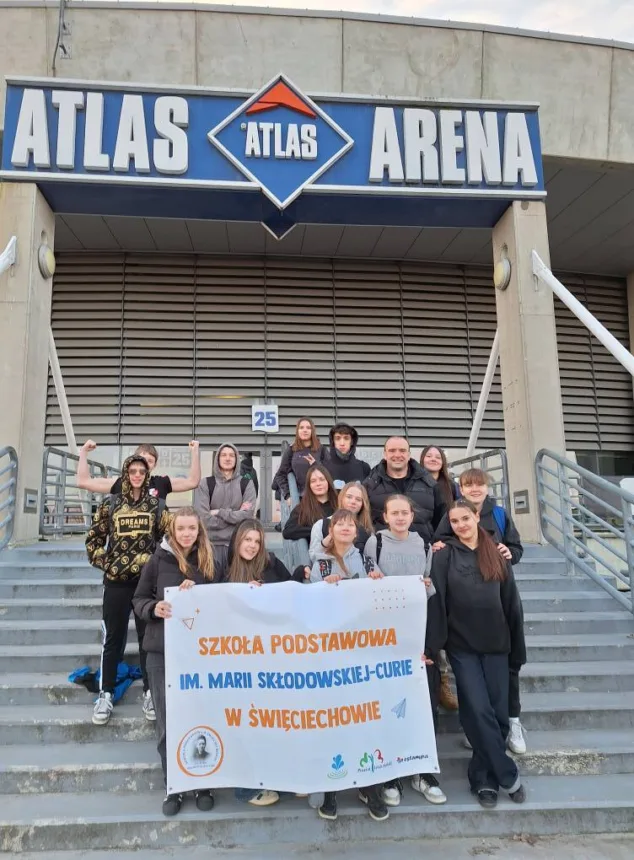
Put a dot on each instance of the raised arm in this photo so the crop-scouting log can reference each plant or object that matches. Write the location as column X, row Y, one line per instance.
column 182, row 485
column 84, row 479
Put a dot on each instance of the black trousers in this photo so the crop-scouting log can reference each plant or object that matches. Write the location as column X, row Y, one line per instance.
column 433, row 682
column 156, row 674
column 482, row 681
column 117, row 606
column 515, row 709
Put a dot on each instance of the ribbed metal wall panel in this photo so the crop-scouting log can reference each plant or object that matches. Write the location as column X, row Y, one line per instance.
column 166, row 348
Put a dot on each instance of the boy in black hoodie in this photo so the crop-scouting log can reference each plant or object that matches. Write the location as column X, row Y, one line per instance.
column 125, row 530
column 341, row 460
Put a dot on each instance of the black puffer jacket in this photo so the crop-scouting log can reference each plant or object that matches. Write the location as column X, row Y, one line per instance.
column 345, row 468
column 159, row 573
column 420, row 487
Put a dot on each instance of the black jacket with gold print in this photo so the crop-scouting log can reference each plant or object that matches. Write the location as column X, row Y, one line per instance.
column 125, row 532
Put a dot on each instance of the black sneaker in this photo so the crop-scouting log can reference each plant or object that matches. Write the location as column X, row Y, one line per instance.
column 328, row 809
column 487, row 798
column 204, row 801
column 172, row 804
column 372, row 796
column 518, row 796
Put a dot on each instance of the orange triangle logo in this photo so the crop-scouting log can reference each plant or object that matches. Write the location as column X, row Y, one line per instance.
column 188, row 622
column 281, row 95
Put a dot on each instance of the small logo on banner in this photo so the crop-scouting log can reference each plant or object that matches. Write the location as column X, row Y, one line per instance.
column 200, row 752
column 400, row 710
column 338, row 768
column 369, row 762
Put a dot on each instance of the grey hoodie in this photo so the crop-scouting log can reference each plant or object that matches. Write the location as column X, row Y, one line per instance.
column 401, row 557
column 226, row 501
column 357, row 566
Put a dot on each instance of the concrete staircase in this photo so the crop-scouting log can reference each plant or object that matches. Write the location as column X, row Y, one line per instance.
column 69, row 785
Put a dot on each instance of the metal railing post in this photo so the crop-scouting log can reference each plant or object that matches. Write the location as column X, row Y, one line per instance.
column 8, row 488
column 484, row 394
column 628, row 533
column 565, row 508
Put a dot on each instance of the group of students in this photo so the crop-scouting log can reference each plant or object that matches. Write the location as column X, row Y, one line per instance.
column 400, row 518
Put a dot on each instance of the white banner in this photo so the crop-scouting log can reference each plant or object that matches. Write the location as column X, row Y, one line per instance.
column 299, row 688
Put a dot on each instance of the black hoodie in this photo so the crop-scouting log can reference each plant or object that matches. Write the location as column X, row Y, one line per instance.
column 469, row 614
column 345, row 468
column 419, row 486
column 510, row 538
column 124, row 532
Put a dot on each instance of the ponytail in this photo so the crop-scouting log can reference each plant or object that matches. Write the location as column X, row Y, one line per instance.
column 492, row 566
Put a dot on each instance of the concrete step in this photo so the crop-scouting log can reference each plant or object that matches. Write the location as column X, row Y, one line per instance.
column 42, row 569
column 57, row 723
column 534, row 581
column 574, row 805
column 556, row 623
column 547, row 648
column 124, row 767
column 595, row 600
column 580, row 647
column 88, row 632
column 79, row 587
column 39, row 608
column 55, row 632
column 566, row 677
column 17, row 609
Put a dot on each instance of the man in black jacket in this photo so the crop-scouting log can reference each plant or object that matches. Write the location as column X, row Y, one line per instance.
column 398, row 472
column 341, row 460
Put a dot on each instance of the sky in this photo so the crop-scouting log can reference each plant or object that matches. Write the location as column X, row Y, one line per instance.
column 603, row 19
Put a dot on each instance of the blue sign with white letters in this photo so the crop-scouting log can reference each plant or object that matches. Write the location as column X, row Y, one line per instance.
column 278, row 142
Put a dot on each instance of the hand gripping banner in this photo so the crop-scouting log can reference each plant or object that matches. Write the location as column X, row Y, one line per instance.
column 299, row 688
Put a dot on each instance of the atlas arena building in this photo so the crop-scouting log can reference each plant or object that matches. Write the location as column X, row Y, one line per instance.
column 305, row 210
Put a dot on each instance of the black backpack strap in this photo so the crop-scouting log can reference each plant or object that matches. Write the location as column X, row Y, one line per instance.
column 211, row 484
column 379, row 546
column 244, row 483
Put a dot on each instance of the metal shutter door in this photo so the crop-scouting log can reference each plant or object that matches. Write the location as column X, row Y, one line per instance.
column 230, row 342
column 596, row 390
column 87, row 317
column 157, row 378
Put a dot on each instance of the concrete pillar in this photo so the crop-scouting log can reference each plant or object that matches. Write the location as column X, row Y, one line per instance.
column 529, row 366
column 25, row 313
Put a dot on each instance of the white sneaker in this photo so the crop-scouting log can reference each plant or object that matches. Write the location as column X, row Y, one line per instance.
column 265, row 798
column 148, row 707
column 392, row 792
column 103, row 709
column 516, row 740
column 427, row 785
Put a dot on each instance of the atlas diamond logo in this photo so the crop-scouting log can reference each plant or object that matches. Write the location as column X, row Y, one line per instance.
column 280, row 140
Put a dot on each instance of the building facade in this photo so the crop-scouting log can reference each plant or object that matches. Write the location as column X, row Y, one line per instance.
column 305, row 209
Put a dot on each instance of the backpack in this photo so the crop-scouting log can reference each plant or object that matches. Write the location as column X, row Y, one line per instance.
column 211, row 483
column 379, row 546
column 157, row 521
column 499, row 515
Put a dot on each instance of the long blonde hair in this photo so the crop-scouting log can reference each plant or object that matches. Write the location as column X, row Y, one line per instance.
column 205, row 553
column 338, row 517
column 241, row 570
column 364, row 517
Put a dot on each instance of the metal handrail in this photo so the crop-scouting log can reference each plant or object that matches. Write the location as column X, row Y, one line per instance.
column 64, row 508
column 498, row 472
column 8, row 493
column 597, row 540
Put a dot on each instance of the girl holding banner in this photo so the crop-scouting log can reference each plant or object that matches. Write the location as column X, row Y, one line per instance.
column 184, row 559
column 352, row 497
column 400, row 552
column 343, row 560
column 481, row 625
